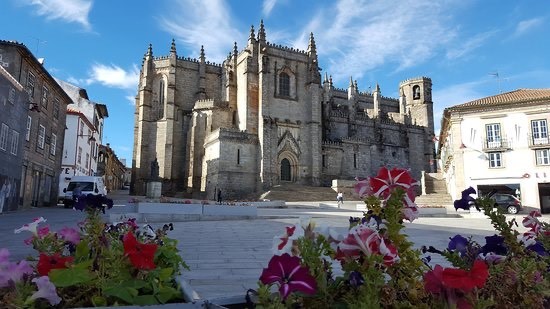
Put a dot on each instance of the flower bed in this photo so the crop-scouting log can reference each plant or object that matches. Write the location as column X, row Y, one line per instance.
column 97, row 265
column 380, row 269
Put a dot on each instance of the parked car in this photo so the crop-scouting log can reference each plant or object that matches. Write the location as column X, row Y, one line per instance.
column 508, row 202
column 83, row 185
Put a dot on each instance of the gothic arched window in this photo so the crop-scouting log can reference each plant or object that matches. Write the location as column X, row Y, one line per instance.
column 416, row 92
column 284, row 84
column 161, row 100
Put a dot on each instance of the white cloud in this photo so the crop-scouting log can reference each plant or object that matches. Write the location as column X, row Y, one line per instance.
column 356, row 36
column 131, row 99
column 469, row 45
column 208, row 23
column 525, row 25
column 72, row 11
column 114, row 76
column 267, row 7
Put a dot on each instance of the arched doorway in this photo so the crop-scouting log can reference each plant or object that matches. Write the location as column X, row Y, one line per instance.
column 285, row 170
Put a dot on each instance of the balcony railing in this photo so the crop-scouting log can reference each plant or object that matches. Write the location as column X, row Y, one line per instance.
column 539, row 142
column 500, row 144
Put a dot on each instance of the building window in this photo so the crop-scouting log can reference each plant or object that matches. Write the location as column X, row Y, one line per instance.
column 30, row 84
column 81, row 129
column 14, row 142
column 4, row 137
column 45, row 95
column 53, row 144
column 89, row 136
column 284, row 85
column 495, row 159
column 493, row 135
column 543, row 156
column 29, row 125
column 324, row 162
column 79, row 155
column 416, row 92
column 41, row 136
column 238, row 156
column 87, row 160
column 11, row 96
column 539, row 129
column 56, row 108
column 161, row 100
column 354, row 160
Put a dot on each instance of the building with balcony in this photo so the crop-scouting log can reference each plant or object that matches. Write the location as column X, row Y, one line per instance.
column 499, row 143
column 44, row 127
column 111, row 168
column 83, row 135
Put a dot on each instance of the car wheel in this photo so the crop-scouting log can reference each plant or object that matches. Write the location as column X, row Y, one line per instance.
column 512, row 210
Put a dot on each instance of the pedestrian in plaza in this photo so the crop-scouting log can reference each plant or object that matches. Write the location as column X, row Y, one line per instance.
column 219, row 196
column 340, row 198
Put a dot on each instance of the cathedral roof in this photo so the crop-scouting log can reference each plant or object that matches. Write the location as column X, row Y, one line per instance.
column 512, row 97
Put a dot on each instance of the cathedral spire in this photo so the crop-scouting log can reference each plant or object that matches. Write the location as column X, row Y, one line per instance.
column 202, row 58
column 251, row 38
column 330, row 80
column 173, row 47
column 311, row 48
column 355, row 84
column 377, row 89
column 261, row 32
column 235, row 50
column 351, row 82
column 149, row 50
column 326, row 78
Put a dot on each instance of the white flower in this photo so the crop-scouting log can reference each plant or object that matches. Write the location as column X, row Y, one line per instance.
column 31, row 227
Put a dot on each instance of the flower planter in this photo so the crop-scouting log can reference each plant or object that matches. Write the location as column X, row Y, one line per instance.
column 173, row 212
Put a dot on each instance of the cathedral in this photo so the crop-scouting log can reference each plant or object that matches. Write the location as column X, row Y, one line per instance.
column 267, row 116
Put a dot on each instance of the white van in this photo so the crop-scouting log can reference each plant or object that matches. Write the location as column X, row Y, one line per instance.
column 87, row 185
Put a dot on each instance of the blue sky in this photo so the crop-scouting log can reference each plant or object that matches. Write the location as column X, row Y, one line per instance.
column 463, row 45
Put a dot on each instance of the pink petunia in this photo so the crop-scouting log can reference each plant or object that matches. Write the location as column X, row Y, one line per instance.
column 43, row 231
column 387, row 180
column 289, row 274
column 532, row 222
column 4, row 256
column 46, row 290
column 284, row 243
column 14, row 272
column 363, row 239
column 31, row 227
column 69, row 234
column 410, row 213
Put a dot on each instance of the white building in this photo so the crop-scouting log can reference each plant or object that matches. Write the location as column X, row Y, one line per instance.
column 83, row 135
column 499, row 143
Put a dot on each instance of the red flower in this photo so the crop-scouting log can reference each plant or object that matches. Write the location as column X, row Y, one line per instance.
column 387, row 180
column 362, row 239
column 49, row 262
column 466, row 280
column 433, row 280
column 141, row 255
column 287, row 271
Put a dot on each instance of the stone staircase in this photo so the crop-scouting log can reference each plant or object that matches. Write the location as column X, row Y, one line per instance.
column 292, row 192
column 436, row 193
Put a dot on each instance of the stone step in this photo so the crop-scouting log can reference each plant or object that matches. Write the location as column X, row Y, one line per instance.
column 434, row 200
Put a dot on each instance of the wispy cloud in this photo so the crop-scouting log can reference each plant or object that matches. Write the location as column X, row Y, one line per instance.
column 525, row 25
column 357, row 35
column 267, row 7
column 208, row 23
column 72, row 11
column 470, row 45
column 114, row 76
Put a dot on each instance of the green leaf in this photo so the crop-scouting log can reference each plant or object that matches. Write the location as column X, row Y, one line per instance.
column 167, row 293
column 69, row 276
column 99, row 301
column 82, row 251
column 136, row 284
column 124, row 293
column 144, row 300
column 165, row 274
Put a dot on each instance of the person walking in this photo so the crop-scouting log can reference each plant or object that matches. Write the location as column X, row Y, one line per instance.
column 340, row 199
column 219, row 196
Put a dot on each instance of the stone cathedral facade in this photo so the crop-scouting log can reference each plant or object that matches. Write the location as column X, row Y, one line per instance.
column 266, row 116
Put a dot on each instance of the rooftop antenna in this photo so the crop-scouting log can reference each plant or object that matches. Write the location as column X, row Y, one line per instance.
column 497, row 76
column 38, row 42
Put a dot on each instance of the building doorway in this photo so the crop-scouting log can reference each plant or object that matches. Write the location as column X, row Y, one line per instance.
column 544, row 196
column 285, row 170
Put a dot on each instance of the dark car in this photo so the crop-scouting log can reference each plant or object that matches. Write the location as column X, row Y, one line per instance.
column 507, row 202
